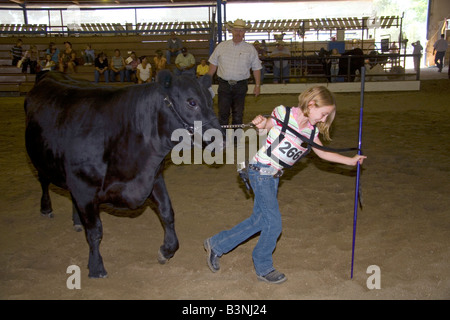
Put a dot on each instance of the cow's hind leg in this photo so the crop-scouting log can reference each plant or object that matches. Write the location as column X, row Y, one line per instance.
column 77, row 225
column 46, row 203
column 90, row 217
column 165, row 211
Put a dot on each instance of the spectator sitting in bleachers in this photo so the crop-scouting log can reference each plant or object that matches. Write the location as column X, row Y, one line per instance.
column 31, row 58
column 16, row 52
column 202, row 68
column 53, row 51
column 68, row 58
column 174, row 46
column 144, row 71
column 101, row 67
column 48, row 64
column 185, row 63
column 117, row 66
column 88, row 55
column 281, row 71
column 160, row 61
column 131, row 67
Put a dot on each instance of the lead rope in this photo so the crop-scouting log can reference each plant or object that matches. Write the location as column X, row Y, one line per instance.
column 245, row 125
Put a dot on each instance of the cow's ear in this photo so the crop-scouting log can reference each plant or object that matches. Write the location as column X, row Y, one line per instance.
column 164, row 78
column 206, row 81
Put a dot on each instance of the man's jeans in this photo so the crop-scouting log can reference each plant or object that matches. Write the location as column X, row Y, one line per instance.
column 231, row 100
column 439, row 59
column 266, row 219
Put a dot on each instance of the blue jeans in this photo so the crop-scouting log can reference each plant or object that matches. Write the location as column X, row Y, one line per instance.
column 284, row 76
column 334, row 71
column 97, row 76
column 266, row 219
column 113, row 74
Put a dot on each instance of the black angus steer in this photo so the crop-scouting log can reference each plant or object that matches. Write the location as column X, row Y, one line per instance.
column 107, row 145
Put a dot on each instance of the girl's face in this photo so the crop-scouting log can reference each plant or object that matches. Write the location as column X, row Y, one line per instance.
column 318, row 114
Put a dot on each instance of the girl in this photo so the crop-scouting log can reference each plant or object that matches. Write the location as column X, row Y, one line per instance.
column 48, row 64
column 316, row 108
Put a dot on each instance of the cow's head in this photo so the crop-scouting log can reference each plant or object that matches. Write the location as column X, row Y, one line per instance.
column 190, row 101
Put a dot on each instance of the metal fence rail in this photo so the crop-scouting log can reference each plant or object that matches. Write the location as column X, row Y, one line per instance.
column 316, row 67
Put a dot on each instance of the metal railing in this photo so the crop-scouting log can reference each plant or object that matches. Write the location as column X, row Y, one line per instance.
column 309, row 67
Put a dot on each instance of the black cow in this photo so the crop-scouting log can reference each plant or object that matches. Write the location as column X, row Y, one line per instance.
column 107, row 145
column 356, row 63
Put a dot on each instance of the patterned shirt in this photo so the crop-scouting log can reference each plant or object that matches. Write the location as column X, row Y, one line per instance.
column 234, row 61
column 291, row 147
column 16, row 52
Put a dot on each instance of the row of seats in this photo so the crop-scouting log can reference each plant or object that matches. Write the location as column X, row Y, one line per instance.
column 13, row 82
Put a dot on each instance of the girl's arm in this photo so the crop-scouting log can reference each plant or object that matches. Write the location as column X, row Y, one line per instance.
column 336, row 157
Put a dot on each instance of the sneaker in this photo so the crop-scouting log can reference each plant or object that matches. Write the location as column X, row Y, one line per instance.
column 273, row 277
column 211, row 258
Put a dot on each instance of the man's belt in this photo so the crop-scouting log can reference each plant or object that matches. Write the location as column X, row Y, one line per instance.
column 232, row 82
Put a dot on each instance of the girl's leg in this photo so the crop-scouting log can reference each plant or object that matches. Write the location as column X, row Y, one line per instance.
column 267, row 203
column 227, row 240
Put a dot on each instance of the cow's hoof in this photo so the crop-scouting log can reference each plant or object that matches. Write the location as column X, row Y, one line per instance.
column 78, row 227
column 47, row 214
column 161, row 258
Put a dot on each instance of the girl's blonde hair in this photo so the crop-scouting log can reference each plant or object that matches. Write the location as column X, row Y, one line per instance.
column 322, row 97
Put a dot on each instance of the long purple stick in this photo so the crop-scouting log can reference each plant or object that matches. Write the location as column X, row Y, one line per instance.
column 358, row 166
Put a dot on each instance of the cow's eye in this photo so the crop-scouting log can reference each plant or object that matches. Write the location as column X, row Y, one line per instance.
column 191, row 102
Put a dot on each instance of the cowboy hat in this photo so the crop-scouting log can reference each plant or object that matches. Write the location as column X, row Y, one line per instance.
column 238, row 24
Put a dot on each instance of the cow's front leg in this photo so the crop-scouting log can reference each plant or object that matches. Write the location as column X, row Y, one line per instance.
column 90, row 218
column 165, row 211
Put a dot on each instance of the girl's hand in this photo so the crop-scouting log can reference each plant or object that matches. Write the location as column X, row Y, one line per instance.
column 357, row 158
column 260, row 122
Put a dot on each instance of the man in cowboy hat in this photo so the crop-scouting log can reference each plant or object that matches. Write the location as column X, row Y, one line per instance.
column 233, row 60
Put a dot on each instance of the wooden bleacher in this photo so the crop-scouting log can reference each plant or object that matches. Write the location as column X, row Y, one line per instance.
column 13, row 82
column 146, row 38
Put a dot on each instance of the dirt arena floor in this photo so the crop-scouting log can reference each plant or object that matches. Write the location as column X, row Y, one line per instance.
column 403, row 227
